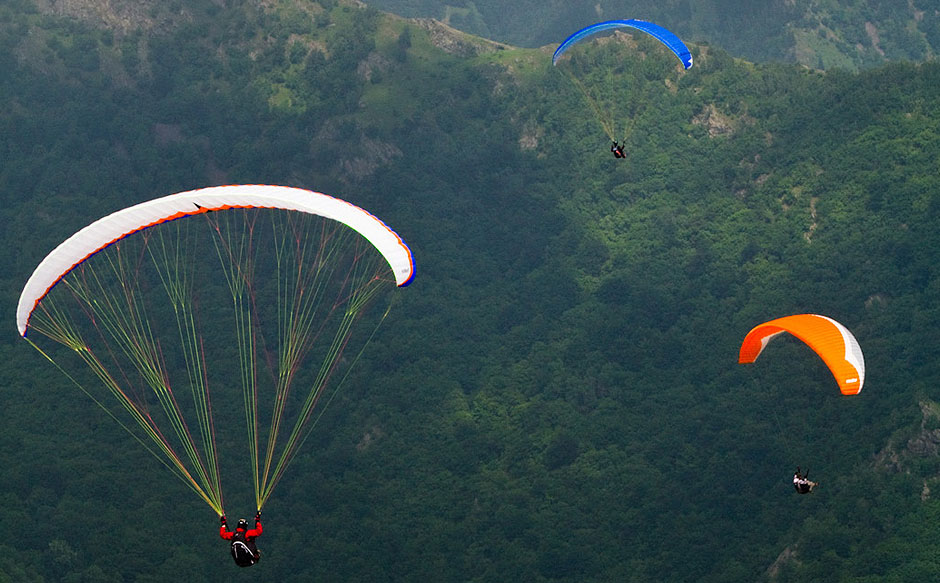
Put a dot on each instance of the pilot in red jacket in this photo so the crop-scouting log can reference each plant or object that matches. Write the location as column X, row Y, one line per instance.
column 245, row 551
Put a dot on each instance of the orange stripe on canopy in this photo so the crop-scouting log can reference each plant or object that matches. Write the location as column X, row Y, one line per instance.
column 832, row 341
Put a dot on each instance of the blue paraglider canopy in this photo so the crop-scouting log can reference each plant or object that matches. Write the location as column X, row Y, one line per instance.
column 664, row 36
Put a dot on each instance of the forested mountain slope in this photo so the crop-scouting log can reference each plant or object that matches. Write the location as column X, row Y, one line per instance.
column 556, row 396
column 824, row 35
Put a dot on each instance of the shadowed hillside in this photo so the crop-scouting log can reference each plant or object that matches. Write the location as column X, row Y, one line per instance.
column 824, row 35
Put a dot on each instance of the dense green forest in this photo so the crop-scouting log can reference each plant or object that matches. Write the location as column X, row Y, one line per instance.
column 556, row 396
column 849, row 34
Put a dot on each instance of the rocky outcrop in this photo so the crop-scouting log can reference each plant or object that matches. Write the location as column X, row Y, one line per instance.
column 454, row 42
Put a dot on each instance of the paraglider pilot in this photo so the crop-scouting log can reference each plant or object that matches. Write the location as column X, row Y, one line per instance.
column 617, row 150
column 244, row 549
column 801, row 482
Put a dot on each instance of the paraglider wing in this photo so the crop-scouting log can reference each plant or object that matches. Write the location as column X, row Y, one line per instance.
column 664, row 36
column 832, row 341
column 120, row 224
column 162, row 311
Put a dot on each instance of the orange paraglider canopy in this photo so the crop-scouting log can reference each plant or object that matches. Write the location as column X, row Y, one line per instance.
column 829, row 339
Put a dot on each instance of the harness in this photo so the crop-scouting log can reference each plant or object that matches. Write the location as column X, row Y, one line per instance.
column 244, row 551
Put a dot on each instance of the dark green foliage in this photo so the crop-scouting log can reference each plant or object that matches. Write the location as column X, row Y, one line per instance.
column 555, row 397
